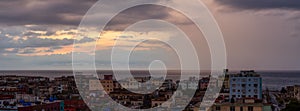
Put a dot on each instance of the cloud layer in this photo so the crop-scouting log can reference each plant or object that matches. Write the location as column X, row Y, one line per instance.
column 261, row 4
column 22, row 12
column 24, row 40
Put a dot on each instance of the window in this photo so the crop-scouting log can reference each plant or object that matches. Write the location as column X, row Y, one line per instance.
column 243, row 85
column 250, row 108
column 232, row 108
column 255, row 85
column 255, row 96
column 233, row 90
column 241, row 108
column 233, row 85
column 218, row 108
column 244, row 91
column 243, row 80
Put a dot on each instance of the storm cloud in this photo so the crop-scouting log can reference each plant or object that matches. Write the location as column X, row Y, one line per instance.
column 63, row 12
column 261, row 4
column 70, row 12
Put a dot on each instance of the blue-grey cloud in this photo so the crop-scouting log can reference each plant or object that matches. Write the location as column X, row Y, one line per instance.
column 261, row 4
column 18, row 12
column 25, row 37
column 64, row 12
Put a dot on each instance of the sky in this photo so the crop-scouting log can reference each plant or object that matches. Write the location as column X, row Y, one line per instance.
column 39, row 34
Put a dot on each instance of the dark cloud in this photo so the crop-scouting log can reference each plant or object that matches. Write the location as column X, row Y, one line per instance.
column 261, row 4
column 32, row 34
column 65, row 12
column 56, row 47
column 85, row 40
column 135, row 14
column 51, row 29
column 6, row 42
column 40, row 42
column 49, row 33
column 70, row 12
column 34, row 42
column 146, row 12
column 38, row 28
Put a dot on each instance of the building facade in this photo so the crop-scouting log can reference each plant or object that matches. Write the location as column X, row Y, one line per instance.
column 246, row 84
column 241, row 107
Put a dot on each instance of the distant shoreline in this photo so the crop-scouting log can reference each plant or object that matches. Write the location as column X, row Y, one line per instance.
column 145, row 70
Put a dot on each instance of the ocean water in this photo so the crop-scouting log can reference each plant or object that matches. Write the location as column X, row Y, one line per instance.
column 277, row 79
column 273, row 80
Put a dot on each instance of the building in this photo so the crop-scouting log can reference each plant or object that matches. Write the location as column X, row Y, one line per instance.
column 129, row 84
column 27, row 97
column 94, row 85
column 107, row 83
column 245, row 84
column 223, row 81
column 192, row 84
column 203, row 83
column 158, row 102
column 297, row 92
column 244, row 104
column 290, row 92
column 8, row 103
column 240, row 107
column 189, row 84
column 75, row 105
column 45, row 106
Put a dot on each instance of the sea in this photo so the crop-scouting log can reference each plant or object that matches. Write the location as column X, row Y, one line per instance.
column 273, row 80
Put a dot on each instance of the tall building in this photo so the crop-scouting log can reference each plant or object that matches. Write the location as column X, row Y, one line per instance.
column 246, row 84
column 108, row 83
column 224, row 80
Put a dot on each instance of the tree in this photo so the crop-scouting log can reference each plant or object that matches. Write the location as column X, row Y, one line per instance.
column 283, row 90
column 147, row 101
column 293, row 106
column 232, row 100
